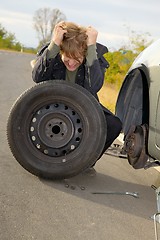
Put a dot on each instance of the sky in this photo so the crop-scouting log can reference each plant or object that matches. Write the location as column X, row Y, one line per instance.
column 115, row 20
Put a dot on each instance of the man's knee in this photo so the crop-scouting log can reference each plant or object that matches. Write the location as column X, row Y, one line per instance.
column 114, row 125
column 118, row 125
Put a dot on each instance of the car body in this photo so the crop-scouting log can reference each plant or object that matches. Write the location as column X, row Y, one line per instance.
column 138, row 107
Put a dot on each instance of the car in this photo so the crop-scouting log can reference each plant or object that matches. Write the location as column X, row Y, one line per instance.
column 138, row 107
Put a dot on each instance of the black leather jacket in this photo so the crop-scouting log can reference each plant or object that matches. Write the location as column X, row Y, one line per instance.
column 91, row 78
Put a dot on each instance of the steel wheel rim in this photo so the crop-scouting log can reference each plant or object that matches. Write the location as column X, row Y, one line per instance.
column 56, row 129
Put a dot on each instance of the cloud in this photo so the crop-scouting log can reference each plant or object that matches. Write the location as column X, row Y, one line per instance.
column 14, row 18
column 113, row 19
column 21, row 25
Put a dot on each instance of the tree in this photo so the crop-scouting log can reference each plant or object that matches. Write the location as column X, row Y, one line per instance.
column 45, row 20
column 2, row 32
column 8, row 40
column 140, row 41
column 137, row 41
column 120, row 61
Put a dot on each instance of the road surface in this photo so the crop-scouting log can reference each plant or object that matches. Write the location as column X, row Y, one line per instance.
column 33, row 208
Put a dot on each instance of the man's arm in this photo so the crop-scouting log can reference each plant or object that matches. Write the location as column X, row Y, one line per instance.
column 43, row 64
column 96, row 64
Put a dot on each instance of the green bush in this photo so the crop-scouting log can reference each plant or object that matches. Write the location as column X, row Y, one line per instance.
column 120, row 61
column 8, row 41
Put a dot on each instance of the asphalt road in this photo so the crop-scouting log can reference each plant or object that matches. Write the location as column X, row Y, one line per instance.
column 33, row 208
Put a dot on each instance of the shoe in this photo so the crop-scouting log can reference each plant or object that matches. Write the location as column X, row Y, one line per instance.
column 90, row 172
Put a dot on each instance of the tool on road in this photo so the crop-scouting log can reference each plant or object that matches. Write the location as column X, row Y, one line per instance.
column 133, row 194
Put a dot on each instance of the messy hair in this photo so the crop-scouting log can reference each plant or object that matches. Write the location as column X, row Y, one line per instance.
column 74, row 43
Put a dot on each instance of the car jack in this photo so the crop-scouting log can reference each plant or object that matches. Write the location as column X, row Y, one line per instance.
column 156, row 216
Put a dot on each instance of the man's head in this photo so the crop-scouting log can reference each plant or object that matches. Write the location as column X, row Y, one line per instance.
column 74, row 45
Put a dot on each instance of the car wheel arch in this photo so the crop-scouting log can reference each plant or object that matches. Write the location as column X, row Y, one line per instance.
column 132, row 105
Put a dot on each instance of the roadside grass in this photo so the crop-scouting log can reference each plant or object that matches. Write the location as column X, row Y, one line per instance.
column 108, row 96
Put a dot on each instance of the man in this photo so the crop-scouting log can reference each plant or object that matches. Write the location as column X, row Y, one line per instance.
column 74, row 55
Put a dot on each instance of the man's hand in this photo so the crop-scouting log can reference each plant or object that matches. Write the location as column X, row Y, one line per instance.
column 92, row 35
column 58, row 33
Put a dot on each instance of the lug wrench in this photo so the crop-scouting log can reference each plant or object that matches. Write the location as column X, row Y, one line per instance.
column 133, row 194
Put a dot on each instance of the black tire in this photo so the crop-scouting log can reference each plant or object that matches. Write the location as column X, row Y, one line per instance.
column 56, row 129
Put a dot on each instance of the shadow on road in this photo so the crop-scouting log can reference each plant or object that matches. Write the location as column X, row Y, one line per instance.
column 83, row 186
